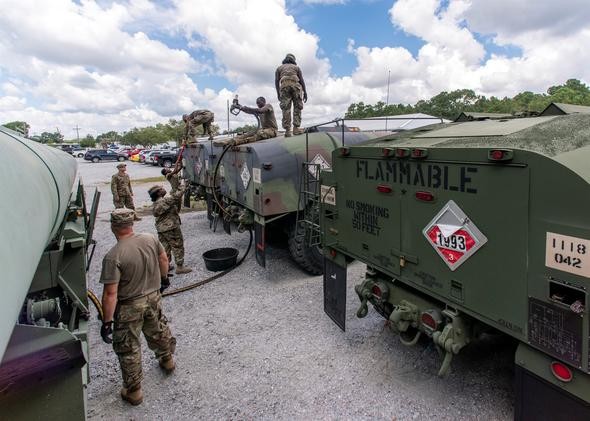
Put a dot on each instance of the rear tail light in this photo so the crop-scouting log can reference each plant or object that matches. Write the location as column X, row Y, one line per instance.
column 387, row 152
column 419, row 153
column 561, row 371
column 424, row 196
column 384, row 188
column 333, row 253
column 500, row 155
column 402, row 152
column 431, row 320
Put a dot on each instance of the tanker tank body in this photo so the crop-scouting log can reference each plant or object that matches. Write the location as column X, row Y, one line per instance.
column 260, row 184
column 43, row 306
column 199, row 160
column 470, row 228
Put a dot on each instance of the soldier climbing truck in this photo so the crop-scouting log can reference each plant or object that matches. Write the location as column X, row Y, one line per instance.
column 46, row 230
column 263, row 185
column 470, row 228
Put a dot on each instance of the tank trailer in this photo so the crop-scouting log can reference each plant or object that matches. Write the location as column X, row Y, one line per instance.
column 46, row 231
column 470, row 228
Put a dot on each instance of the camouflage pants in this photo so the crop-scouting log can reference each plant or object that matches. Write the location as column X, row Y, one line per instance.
column 291, row 94
column 131, row 318
column 173, row 244
column 201, row 119
column 124, row 202
column 259, row 135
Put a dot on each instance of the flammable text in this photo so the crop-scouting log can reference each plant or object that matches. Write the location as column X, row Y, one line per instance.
column 433, row 176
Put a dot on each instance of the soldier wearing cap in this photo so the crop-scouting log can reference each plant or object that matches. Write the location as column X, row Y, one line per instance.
column 121, row 189
column 291, row 89
column 165, row 211
column 174, row 180
column 195, row 119
column 268, row 123
column 133, row 271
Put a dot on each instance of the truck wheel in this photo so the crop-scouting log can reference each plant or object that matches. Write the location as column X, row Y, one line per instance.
column 95, row 159
column 167, row 163
column 310, row 258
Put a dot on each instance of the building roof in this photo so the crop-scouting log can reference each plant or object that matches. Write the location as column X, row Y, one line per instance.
column 559, row 108
column 471, row 116
column 394, row 122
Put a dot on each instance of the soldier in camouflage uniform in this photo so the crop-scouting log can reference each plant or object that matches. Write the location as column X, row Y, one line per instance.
column 133, row 272
column 291, row 89
column 193, row 120
column 168, row 224
column 121, row 189
column 174, row 180
column 268, row 123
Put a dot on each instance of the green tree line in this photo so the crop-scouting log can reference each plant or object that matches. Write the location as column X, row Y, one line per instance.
column 450, row 104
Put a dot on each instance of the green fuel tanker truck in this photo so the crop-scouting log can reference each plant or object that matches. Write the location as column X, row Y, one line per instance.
column 470, row 228
column 46, row 230
column 263, row 185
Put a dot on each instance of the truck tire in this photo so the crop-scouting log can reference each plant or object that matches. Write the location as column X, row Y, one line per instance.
column 309, row 258
column 95, row 159
column 167, row 163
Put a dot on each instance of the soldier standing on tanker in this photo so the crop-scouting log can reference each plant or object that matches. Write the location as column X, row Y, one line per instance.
column 133, row 271
column 194, row 119
column 290, row 87
column 168, row 225
column 121, row 189
column 268, row 123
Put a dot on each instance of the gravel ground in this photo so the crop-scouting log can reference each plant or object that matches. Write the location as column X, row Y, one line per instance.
column 256, row 344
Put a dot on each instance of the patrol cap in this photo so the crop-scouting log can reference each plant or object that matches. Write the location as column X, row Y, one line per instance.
column 121, row 165
column 122, row 217
column 154, row 189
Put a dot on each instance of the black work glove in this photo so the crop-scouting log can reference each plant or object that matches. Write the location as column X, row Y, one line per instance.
column 164, row 283
column 304, row 96
column 106, row 331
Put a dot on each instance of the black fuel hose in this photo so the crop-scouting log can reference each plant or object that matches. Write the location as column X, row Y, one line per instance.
column 97, row 304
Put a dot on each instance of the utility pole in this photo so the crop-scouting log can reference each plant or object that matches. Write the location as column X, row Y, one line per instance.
column 77, row 129
column 228, row 117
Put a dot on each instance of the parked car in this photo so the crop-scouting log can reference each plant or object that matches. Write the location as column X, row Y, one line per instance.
column 134, row 157
column 165, row 158
column 78, row 152
column 97, row 155
column 149, row 156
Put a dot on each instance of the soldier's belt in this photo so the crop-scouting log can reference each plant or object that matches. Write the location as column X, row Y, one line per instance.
column 141, row 299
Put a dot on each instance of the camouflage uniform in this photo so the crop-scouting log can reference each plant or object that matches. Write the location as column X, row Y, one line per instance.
column 168, row 226
column 131, row 318
column 196, row 118
column 290, row 88
column 174, row 180
column 133, row 264
column 122, row 192
column 268, row 124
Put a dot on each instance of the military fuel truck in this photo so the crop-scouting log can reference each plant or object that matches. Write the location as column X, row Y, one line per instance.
column 46, row 232
column 473, row 227
column 267, row 185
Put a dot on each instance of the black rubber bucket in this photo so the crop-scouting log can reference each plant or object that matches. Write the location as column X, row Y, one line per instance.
column 220, row 259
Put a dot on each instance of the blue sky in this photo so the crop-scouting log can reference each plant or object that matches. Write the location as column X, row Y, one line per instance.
column 128, row 63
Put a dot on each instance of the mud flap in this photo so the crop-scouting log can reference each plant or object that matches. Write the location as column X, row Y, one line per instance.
column 260, row 242
column 335, row 292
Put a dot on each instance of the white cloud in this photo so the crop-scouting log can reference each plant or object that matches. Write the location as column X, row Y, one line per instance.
column 103, row 65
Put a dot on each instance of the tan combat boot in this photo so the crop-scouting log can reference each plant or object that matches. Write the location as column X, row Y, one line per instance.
column 183, row 269
column 134, row 397
column 297, row 130
column 167, row 364
column 288, row 133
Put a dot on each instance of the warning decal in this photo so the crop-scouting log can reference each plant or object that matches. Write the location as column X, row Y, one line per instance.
column 453, row 235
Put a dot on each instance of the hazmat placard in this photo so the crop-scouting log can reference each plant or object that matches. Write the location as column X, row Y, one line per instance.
column 453, row 235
